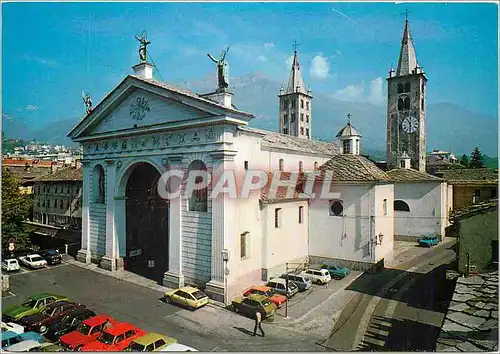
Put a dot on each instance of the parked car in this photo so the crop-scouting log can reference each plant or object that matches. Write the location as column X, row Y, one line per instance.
column 114, row 339
column 52, row 347
column 279, row 285
column 52, row 257
column 319, row 276
column 10, row 265
column 25, row 346
column 53, row 312
column 10, row 338
column 249, row 305
column 336, row 272
column 428, row 241
column 177, row 347
column 68, row 323
column 302, row 282
column 277, row 299
column 86, row 332
column 33, row 261
column 13, row 327
column 151, row 342
column 188, row 296
column 32, row 305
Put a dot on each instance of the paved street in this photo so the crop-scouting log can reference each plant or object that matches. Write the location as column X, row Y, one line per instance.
column 392, row 310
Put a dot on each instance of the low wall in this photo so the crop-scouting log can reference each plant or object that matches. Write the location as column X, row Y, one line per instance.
column 316, row 261
column 412, row 238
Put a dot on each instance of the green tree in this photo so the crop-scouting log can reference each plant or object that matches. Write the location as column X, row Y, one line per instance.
column 16, row 208
column 464, row 161
column 476, row 159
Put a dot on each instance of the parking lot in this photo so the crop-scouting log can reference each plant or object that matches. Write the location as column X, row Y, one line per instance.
column 207, row 329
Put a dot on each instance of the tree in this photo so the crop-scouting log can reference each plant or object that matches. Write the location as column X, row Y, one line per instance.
column 16, row 208
column 476, row 159
column 464, row 161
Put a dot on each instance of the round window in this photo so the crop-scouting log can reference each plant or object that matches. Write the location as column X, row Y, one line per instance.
column 336, row 208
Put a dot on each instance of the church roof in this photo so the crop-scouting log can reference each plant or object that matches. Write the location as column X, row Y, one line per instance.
column 281, row 193
column 469, row 176
column 62, row 174
column 411, row 175
column 295, row 79
column 353, row 168
column 348, row 130
column 407, row 57
column 275, row 140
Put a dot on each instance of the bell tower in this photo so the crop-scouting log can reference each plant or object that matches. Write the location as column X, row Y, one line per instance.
column 295, row 105
column 406, row 106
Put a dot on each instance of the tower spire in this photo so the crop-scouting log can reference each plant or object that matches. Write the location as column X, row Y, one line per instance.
column 295, row 82
column 407, row 58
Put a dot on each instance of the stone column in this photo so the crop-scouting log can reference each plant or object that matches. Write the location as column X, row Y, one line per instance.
column 222, row 224
column 84, row 254
column 108, row 261
column 174, row 278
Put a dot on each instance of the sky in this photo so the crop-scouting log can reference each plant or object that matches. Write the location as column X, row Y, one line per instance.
column 53, row 51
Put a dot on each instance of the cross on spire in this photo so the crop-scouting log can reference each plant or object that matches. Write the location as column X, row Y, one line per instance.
column 295, row 45
column 349, row 118
column 406, row 14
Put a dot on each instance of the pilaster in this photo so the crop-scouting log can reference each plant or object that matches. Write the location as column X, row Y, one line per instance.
column 109, row 261
column 84, row 254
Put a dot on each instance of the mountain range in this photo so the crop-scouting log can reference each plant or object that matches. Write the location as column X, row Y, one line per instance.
column 449, row 125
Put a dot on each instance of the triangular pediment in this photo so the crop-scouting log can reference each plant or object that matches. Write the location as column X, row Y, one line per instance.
column 137, row 104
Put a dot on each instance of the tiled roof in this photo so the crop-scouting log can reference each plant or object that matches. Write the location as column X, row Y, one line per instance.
column 474, row 209
column 279, row 194
column 186, row 93
column 353, row 168
column 469, row 176
column 411, row 175
column 23, row 162
column 62, row 174
column 294, row 143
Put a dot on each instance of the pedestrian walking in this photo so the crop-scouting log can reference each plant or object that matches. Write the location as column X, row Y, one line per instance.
column 258, row 323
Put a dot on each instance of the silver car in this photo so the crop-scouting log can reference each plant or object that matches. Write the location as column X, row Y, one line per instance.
column 279, row 286
column 302, row 282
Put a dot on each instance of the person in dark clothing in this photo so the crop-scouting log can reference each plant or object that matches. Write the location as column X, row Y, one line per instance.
column 258, row 323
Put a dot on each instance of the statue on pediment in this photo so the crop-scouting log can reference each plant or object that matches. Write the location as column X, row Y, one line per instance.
column 87, row 100
column 222, row 71
column 143, row 54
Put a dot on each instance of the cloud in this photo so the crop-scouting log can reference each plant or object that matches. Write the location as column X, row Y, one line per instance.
column 376, row 95
column 261, row 58
column 372, row 93
column 6, row 116
column 44, row 61
column 31, row 107
column 320, row 67
column 269, row 45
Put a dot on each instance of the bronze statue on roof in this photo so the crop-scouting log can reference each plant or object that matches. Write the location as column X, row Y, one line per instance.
column 222, row 71
column 143, row 54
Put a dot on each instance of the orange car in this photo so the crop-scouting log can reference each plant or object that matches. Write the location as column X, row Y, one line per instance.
column 276, row 299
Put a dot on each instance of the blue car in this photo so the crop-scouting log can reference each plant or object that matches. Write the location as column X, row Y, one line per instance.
column 9, row 338
column 336, row 272
column 428, row 241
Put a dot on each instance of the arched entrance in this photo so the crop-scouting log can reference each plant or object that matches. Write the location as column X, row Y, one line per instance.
column 146, row 224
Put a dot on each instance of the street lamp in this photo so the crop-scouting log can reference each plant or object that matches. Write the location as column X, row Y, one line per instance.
column 225, row 258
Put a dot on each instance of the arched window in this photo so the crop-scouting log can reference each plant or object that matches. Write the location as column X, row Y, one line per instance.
column 301, row 131
column 316, row 165
column 400, row 88
column 407, row 103
column 281, row 165
column 400, row 205
column 300, row 166
column 99, row 186
column 407, row 87
column 400, row 104
column 198, row 200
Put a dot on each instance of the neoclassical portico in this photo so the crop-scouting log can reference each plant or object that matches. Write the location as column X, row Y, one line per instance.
column 147, row 127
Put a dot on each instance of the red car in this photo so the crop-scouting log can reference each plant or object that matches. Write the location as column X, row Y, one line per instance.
column 114, row 339
column 277, row 299
column 86, row 332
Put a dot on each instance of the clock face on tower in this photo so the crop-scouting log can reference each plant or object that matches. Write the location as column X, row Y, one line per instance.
column 409, row 124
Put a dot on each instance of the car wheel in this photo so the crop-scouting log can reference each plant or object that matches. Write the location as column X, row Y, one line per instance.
column 168, row 300
column 43, row 329
column 78, row 347
column 237, row 310
column 191, row 308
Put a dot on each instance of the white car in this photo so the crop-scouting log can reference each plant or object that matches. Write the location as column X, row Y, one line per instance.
column 33, row 261
column 13, row 327
column 10, row 265
column 177, row 347
column 319, row 276
column 26, row 346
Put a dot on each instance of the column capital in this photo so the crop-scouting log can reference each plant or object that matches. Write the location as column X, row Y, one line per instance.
column 223, row 155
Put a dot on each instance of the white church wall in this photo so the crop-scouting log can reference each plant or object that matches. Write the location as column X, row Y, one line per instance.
column 345, row 236
column 384, row 219
column 425, row 203
column 287, row 243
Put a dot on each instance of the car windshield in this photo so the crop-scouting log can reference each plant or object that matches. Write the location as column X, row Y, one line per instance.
column 51, row 252
column 29, row 303
column 36, row 259
column 268, row 293
column 428, row 237
column 135, row 347
column 198, row 295
column 106, row 338
column 292, row 285
column 66, row 320
column 265, row 302
column 84, row 328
